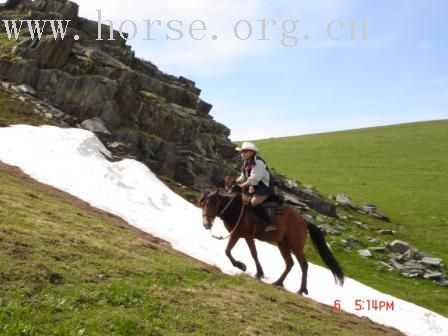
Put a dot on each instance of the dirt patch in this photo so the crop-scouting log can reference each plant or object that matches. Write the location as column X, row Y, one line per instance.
column 17, row 252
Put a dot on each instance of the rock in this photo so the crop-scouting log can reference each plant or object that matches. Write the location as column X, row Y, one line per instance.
column 396, row 265
column 386, row 232
column 398, row 246
column 414, row 266
column 342, row 217
column 100, row 57
column 294, row 201
column 291, row 183
column 24, row 88
column 316, row 203
column 95, row 125
column 363, row 225
column 308, row 218
column 441, row 282
column 116, row 144
column 24, row 72
column 204, row 107
column 68, row 9
column 10, row 4
column 51, row 53
column 329, row 229
column 227, row 150
column 386, row 265
column 377, row 248
column 410, row 254
column 411, row 274
column 364, row 253
column 346, row 201
column 432, row 275
column 379, row 215
column 430, row 261
column 56, row 113
column 372, row 210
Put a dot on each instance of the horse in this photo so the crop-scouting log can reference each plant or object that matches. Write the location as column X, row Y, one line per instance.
column 290, row 234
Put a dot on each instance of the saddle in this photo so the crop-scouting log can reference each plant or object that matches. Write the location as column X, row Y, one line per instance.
column 274, row 204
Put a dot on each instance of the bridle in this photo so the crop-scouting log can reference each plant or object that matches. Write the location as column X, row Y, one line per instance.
column 211, row 219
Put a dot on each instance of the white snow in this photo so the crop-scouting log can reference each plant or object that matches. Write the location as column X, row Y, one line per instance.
column 72, row 160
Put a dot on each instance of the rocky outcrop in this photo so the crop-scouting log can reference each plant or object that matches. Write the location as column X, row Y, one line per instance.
column 160, row 118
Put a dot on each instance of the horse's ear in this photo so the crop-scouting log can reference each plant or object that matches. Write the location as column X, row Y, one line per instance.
column 204, row 194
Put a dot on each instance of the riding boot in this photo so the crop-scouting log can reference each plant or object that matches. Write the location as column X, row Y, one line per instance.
column 263, row 215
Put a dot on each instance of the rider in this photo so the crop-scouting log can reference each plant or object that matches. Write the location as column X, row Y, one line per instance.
column 255, row 176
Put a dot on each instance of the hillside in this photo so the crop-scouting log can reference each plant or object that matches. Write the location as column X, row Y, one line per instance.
column 69, row 269
column 158, row 118
column 401, row 169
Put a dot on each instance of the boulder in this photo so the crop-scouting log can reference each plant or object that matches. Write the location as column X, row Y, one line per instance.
column 95, row 125
column 365, row 253
column 51, row 53
column 441, row 282
column 430, row 261
column 100, row 57
column 68, row 9
column 24, row 88
column 432, row 275
column 386, row 232
column 345, row 201
column 328, row 229
column 398, row 246
column 372, row 210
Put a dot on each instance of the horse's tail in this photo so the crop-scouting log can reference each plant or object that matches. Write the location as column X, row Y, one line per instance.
column 319, row 242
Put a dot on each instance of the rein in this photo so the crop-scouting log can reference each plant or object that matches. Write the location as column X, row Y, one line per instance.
column 237, row 222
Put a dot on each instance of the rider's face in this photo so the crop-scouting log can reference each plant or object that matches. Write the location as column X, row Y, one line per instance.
column 246, row 154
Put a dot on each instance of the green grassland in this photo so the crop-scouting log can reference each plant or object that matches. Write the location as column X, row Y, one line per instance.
column 14, row 111
column 403, row 169
column 69, row 269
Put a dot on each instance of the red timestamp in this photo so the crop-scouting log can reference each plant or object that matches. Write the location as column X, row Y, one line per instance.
column 378, row 305
column 368, row 305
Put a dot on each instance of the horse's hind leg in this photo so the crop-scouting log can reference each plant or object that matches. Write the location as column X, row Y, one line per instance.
column 286, row 254
column 253, row 252
column 304, row 267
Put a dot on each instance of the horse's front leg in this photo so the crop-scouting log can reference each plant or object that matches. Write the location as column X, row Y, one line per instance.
column 232, row 241
column 253, row 250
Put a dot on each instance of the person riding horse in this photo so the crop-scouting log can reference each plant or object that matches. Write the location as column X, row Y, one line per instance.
column 255, row 177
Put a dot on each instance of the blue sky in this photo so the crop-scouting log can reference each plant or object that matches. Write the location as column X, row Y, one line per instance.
column 262, row 89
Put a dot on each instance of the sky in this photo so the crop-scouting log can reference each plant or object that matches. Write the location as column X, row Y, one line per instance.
column 130, row 190
column 267, row 80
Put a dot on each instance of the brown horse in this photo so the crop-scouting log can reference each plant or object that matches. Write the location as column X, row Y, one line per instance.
column 290, row 234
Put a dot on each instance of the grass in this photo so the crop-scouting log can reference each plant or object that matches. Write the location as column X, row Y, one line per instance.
column 14, row 111
column 69, row 269
column 402, row 169
column 6, row 44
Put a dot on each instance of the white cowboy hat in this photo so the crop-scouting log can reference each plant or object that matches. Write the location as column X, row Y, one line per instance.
column 248, row 146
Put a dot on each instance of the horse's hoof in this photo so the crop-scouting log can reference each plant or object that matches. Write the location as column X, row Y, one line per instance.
column 259, row 276
column 241, row 266
column 278, row 283
column 303, row 291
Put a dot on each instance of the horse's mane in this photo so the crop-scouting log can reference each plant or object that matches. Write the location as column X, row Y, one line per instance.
column 218, row 192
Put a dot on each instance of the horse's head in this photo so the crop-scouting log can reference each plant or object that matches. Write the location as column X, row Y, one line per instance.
column 211, row 203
